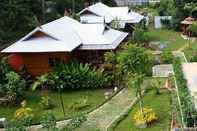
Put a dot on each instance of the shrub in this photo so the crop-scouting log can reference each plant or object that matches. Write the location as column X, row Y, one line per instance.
column 193, row 29
column 14, row 87
column 166, row 23
column 78, row 76
column 141, row 36
column 48, row 122
column 135, row 59
column 4, row 69
column 167, row 57
column 148, row 116
column 24, row 113
column 76, row 122
column 46, row 103
column 187, row 103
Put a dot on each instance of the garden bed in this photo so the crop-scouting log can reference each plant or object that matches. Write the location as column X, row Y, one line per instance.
column 159, row 103
column 93, row 99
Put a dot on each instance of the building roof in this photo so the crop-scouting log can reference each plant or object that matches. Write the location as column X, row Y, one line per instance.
column 67, row 34
column 98, row 11
column 188, row 21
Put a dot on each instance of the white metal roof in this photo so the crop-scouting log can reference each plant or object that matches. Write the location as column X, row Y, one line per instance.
column 65, row 35
column 102, row 11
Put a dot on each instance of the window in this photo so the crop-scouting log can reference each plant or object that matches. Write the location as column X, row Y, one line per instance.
column 54, row 61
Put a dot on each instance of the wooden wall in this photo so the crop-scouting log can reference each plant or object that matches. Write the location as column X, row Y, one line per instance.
column 38, row 63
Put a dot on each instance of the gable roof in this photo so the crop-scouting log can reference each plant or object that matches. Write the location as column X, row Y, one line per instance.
column 109, row 14
column 65, row 35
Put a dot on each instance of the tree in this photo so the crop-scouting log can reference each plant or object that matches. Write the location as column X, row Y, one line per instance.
column 17, row 18
column 137, row 82
column 166, row 8
column 135, row 59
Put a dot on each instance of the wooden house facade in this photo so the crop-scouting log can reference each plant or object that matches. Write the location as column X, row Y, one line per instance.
column 61, row 40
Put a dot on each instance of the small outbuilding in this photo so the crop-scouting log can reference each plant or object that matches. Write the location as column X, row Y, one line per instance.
column 185, row 24
column 61, row 40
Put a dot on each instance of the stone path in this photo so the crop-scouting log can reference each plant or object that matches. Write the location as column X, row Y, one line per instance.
column 104, row 116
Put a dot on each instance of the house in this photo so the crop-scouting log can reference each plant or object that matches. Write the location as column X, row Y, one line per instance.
column 132, row 2
column 190, row 74
column 101, row 13
column 61, row 40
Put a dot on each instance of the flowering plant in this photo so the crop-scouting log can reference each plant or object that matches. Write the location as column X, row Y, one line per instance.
column 147, row 116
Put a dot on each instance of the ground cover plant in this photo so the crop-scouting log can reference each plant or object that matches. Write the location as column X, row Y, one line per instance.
column 159, row 103
column 187, row 104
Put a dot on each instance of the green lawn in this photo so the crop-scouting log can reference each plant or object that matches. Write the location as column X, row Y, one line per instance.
column 160, row 104
column 94, row 98
column 191, row 50
column 172, row 38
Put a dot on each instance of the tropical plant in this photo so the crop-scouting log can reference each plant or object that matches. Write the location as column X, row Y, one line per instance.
column 76, row 122
column 137, row 82
column 187, row 103
column 167, row 57
column 42, row 81
column 24, row 114
column 148, row 117
column 141, row 37
column 193, row 29
column 78, row 76
column 46, row 103
column 48, row 122
column 135, row 59
column 14, row 87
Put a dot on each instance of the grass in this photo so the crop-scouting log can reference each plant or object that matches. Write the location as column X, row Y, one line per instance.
column 160, row 104
column 172, row 38
column 191, row 50
column 94, row 98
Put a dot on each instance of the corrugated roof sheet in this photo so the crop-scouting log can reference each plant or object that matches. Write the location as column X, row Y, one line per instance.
column 101, row 11
column 65, row 35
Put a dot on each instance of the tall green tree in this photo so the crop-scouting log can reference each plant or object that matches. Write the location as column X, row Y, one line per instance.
column 17, row 18
column 135, row 59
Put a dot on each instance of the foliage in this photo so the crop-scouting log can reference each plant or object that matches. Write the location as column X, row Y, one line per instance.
column 149, row 116
column 140, row 36
column 42, row 81
column 160, row 104
column 166, row 8
column 18, row 18
column 78, row 76
column 14, row 87
column 167, row 57
column 193, row 29
column 46, row 103
column 24, row 113
column 166, row 23
column 4, row 68
column 48, row 122
column 76, row 122
column 110, row 57
column 187, row 103
column 135, row 59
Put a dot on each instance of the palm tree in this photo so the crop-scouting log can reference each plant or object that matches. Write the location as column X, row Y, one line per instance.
column 137, row 82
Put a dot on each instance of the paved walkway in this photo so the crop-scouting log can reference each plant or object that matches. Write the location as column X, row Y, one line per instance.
column 104, row 116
